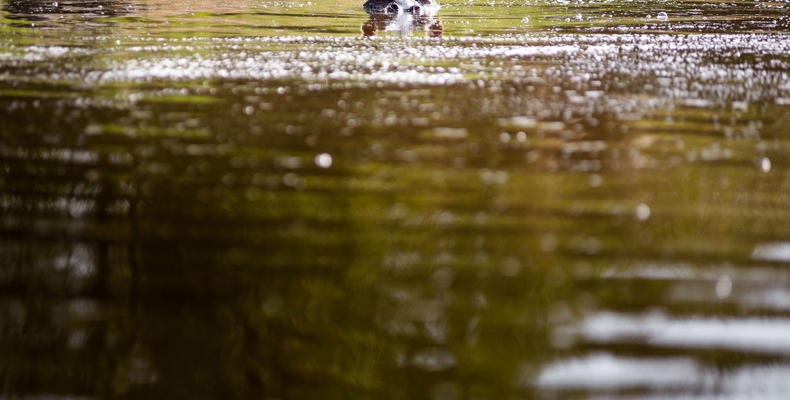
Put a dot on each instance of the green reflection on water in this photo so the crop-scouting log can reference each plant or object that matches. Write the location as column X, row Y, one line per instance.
column 168, row 231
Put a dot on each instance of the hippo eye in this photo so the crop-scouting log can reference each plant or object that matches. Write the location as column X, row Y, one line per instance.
column 393, row 7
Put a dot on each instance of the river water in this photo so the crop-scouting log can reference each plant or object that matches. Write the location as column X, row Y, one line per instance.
column 289, row 199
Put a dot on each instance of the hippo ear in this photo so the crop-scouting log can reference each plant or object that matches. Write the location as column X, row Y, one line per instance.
column 369, row 27
column 435, row 29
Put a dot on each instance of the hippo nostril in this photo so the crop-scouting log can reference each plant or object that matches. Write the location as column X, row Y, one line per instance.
column 414, row 9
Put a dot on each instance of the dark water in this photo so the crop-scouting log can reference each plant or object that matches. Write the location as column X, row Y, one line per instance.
column 249, row 199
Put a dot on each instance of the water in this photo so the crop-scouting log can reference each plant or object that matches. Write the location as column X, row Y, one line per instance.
column 229, row 199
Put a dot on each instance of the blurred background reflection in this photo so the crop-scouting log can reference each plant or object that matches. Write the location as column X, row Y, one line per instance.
column 249, row 199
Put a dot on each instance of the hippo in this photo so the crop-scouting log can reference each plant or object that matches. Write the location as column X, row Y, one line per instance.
column 396, row 7
column 403, row 16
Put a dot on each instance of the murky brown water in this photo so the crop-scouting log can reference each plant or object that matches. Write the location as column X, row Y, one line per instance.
column 249, row 199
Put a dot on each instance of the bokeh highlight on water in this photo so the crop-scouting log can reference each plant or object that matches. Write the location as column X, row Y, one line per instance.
column 252, row 199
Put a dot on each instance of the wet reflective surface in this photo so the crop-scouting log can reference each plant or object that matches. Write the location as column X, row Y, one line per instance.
column 230, row 199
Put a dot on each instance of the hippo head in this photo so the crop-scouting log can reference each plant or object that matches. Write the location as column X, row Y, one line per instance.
column 397, row 7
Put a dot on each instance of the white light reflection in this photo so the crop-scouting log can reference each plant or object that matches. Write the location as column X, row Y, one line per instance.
column 755, row 335
column 642, row 212
column 604, row 371
column 765, row 164
column 752, row 288
column 679, row 376
column 323, row 160
column 779, row 251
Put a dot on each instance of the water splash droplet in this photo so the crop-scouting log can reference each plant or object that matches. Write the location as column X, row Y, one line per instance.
column 323, row 160
column 765, row 164
column 642, row 212
column 723, row 287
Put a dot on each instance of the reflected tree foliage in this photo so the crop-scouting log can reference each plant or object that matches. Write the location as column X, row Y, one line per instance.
column 312, row 217
column 169, row 266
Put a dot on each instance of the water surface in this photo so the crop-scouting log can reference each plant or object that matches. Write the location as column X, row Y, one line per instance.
column 251, row 199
